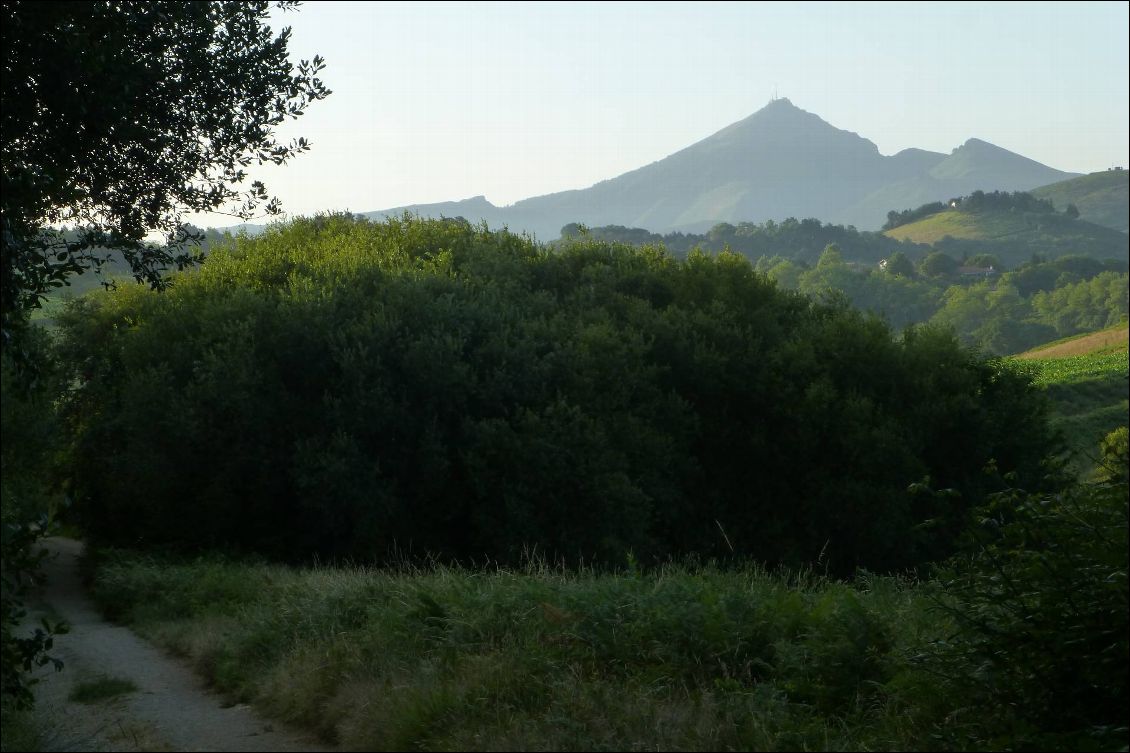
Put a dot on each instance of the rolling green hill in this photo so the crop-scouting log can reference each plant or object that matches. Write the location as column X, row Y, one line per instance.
column 1102, row 198
column 115, row 270
column 961, row 225
column 1014, row 236
column 1086, row 379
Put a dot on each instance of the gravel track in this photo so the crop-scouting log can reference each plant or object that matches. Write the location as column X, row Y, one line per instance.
column 171, row 708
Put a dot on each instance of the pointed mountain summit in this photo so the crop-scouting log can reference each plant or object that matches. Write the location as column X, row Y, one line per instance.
column 1102, row 197
column 779, row 162
column 979, row 160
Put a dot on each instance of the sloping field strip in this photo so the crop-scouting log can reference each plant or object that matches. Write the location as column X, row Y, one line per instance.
column 1107, row 338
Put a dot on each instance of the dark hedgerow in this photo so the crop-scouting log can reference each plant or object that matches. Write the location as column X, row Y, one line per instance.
column 348, row 388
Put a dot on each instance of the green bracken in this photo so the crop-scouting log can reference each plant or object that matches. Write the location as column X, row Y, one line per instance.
column 540, row 657
column 1020, row 642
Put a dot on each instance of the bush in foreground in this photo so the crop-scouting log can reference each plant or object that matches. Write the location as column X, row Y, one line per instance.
column 344, row 388
column 1040, row 653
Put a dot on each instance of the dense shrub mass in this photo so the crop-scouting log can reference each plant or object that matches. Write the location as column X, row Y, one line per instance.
column 349, row 389
column 1039, row 598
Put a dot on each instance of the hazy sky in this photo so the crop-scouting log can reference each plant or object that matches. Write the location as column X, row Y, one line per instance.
column 438, row 102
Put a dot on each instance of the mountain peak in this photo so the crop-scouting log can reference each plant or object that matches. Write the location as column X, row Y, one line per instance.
column 781, row 102
column 979, row 144
column 782, row 107
column 782, row 121
column 780, row 161
column 978, row 164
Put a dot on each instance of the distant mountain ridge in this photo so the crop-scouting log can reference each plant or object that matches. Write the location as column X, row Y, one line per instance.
column 779, row 162
column 1102, row 198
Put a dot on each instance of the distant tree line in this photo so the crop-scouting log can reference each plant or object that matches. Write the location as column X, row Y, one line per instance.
column 798, row 240
column 896, row 218
column 1003, row 313
column 957, row 282
column 978, row 201
column 1017, row 201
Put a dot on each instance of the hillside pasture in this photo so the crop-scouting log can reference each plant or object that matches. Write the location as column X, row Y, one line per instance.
column 1086, row 380
column 1012, row 236
column 1110, row 339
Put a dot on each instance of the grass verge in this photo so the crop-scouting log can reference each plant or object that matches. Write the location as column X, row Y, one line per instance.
column 685, row 657
column 1019, row 642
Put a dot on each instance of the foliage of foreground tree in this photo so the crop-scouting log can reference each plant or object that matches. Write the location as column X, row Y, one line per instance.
column 30, row 441
column 346, row 388
column 116, row 118
column 122, row 117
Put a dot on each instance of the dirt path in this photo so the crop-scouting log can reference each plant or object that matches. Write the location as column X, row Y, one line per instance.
column 170, row 710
